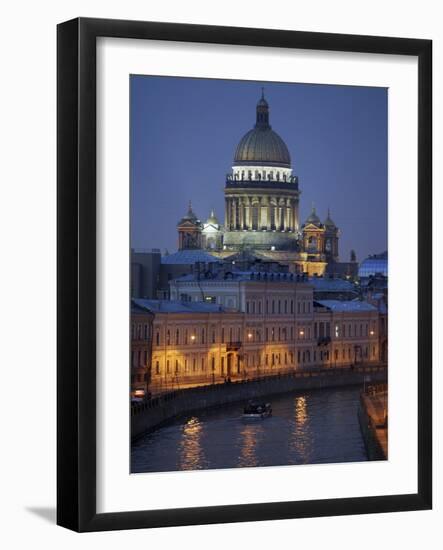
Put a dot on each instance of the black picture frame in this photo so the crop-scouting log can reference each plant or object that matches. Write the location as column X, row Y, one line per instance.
column 76, row 294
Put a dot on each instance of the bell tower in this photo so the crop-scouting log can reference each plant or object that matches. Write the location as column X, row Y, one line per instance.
column 189, row 231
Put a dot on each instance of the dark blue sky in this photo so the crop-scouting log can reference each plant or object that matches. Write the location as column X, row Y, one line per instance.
column 184, row 133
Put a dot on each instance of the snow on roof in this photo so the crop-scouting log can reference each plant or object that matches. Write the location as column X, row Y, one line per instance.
column 183, row 257
column 346, row 305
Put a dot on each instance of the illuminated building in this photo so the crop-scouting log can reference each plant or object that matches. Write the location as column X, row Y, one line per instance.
column 141, row 348
column 277, row 331
column 262, row 210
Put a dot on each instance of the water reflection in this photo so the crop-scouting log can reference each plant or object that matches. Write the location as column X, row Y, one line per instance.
column 314, row 427
column 192, row 456
column 248, row 441
column 301, row 438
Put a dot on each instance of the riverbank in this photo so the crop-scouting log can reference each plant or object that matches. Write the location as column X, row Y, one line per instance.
column 372, row 414
column 158, row 411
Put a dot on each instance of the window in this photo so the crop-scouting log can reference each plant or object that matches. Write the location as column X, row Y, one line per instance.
column 213, row 336
column 157, row 367
column 194, row 364
column 168, row 337
column 213, row 364
column 259, row 307
column 203, row 363
column 273, row 306
column 167, row 366
column 223, row 365
column 176, row 365
column 279, row 306
column 344, row 330
column 157, row 338
column 203, row 335
column 146, row 332
column 177, row 336
column 223, row 335
column 286, row 306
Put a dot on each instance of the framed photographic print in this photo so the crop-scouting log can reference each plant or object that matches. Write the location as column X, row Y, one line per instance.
column 244, row 274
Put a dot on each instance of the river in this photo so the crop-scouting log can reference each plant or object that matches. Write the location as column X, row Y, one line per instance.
column 310, row 427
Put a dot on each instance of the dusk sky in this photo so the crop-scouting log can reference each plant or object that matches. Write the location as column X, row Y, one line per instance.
column 184, row 133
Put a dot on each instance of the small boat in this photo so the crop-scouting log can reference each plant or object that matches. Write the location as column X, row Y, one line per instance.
column 257, row 410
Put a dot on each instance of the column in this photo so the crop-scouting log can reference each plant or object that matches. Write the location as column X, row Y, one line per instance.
column 288, row 217
column 226, row 213
column 263, row 216
column 240, row 213
column 277, row 217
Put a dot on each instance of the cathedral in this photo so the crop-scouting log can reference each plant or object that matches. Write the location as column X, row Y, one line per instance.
column 261, row 215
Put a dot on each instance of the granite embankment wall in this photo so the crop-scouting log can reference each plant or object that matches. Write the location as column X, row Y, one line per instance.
column 152, row 414
column 372, row 414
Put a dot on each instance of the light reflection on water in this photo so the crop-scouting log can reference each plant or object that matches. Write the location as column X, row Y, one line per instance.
column 313, row 427
column 192, row 456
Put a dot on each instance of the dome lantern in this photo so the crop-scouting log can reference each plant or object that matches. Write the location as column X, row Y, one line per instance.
column 262, row 117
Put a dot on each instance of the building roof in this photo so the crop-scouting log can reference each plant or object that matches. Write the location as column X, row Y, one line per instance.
column 212, row 220
column 238, row 275
column 176, row 306
column 346, row 305
column 373, row 265
column 329, row 222
column 313, row 218
column 262, row 145
column 190, row 216
column 321, row 284
column 189, row 257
